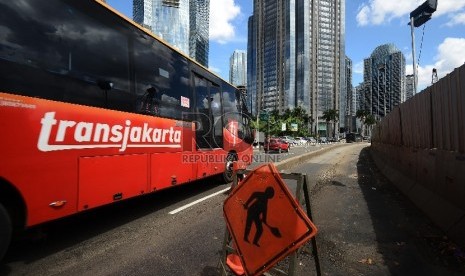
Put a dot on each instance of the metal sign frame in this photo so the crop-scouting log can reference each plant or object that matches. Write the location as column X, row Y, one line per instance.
column 302, row 196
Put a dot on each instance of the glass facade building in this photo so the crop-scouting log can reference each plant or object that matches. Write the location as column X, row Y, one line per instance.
column 238, row 68
column 358, row 104
column 252, row 65
column 409, row 87
column 384, row 80
column 347, row 110
column 181, row 23
column 199, row 34
column 297, row 55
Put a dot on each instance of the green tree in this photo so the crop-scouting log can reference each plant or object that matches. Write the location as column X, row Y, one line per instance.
column 331, row 115
column 370, row 121
column 275, row 121
column 297, row 116
column 362, row 115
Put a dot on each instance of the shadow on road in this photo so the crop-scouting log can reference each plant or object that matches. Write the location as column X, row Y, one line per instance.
column 50, row 238
column 406, row 238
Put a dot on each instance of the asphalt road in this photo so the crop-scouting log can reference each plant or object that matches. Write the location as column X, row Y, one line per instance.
column 365, row 228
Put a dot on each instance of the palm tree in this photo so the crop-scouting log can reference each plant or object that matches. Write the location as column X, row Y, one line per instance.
column 362, row 115
column 369, row 121
column 331, row 115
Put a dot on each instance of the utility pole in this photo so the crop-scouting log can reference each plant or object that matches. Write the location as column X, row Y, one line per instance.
column 412, row 30
column 418, row 17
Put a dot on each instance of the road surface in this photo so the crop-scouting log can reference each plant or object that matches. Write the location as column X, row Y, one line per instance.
column 365, row 228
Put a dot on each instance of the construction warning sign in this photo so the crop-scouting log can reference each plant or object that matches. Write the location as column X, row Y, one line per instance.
column 265, row 221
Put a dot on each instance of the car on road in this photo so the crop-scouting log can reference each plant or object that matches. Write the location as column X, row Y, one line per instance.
column 300, row 140
column 289, row 140
column 353, row 137
column 323, row 140
column 276, row 144
column 367, row 138
column 311, row 141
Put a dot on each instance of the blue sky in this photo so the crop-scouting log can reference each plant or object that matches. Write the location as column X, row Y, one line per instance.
column 369, row 23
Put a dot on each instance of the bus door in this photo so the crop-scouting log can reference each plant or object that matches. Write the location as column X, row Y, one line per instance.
column 207, row 114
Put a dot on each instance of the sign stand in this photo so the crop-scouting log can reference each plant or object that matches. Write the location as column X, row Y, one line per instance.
column 230, row 261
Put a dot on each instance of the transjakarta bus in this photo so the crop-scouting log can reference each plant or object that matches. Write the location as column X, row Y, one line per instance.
column 94, row 110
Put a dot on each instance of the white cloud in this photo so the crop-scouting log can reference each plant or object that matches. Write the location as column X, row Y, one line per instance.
column 457, row 19
column 376, row 12
column 408, row 55
column 358, row 68
column 449, row 56
column 222, row 13
column 362, row 16
column 449, row 6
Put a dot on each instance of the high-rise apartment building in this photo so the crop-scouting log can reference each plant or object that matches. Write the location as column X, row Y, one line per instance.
column 357, row 105
column 252, row 65
column 238, row 68
column 384, row 80
column 296, row 52
column 199, row 34
column 409, row 87
column 346, row 111
column 181, row 23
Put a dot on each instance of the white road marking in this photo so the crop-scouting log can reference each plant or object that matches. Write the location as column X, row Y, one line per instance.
column 197, row 201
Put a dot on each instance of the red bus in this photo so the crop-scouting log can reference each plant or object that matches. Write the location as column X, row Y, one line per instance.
column 95, row 109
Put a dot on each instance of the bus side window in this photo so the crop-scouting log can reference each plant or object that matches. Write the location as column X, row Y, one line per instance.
column 217, row 112
column 165, row 70
column 150, row 102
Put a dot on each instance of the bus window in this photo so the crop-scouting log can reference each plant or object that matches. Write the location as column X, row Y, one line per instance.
column 217, row 112
column 231, row 109
column 235, row 112
column 150, row 102
column 202, row 114
column 164, row 70
column 62, row 56
column 99, row 53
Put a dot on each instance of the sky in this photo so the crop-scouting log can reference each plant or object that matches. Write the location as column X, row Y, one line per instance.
column 439, row 43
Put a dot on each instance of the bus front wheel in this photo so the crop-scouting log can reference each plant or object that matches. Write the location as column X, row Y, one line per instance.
column 5, row 231
column 228, row 170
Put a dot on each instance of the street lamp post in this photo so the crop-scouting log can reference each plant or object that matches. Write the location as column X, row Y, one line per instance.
column 412, row 31
column 418, row 17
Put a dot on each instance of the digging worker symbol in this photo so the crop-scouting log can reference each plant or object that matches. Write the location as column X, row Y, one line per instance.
column 256, row 207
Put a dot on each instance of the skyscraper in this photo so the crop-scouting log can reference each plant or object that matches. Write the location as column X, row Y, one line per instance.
column 384, row 80
column 409, row 87
column 297, row 55
column 238, row 68
column 347, row 111
column 358, row 104
column 252, row 65
column 199, row 34
column 181, row 23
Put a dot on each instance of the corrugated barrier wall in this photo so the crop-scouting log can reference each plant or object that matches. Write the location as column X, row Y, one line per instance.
column 420, row 147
